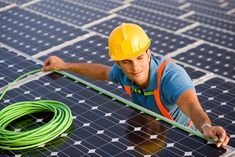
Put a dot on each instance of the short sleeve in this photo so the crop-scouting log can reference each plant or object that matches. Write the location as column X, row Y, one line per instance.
column 175, row 81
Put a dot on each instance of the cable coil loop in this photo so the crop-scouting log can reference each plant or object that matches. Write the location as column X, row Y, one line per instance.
column 13, row 140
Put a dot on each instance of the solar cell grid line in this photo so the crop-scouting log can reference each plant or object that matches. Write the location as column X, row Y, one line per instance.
column 91, row 49
column 67, row 11
column 219, row 61
column 215, row 6
column 153, row 18
column 3, row 4
column 97, row 119
column 155, row 5
column 32, row 33
column 165, row 2
column 104, row 5
column 210, row 13
column 18, row 2
column 213, row 36
column 13, row 65
column 213, row 22
column 162, row 42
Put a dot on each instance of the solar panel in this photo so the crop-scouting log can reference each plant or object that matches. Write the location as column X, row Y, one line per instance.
column 214, row 36
column 103, row 127
column 198, row 34
column 158, row 6
column 68, row 11
column 202, row 10
column 226, row 25
column 153, row 18
column 212, row 4
column 32, row 33
column 102, row 5
column 18, row 2
column 3, row 4
column 13, row 65
column 217, row 98
column 217, row 60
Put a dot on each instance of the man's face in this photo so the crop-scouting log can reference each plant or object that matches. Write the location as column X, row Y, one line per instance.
column 137, row 68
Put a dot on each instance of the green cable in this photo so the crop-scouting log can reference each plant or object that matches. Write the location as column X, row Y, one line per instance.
column 12, row 140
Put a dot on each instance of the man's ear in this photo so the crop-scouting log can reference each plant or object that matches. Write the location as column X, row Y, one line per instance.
column 149, row 54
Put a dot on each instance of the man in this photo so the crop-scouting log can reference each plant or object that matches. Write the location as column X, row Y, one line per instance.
column 152, row 82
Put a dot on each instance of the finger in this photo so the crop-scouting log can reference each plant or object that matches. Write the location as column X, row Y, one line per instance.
column 219, row 144
column 221, row 136
column 225, row 141
column 47, row 64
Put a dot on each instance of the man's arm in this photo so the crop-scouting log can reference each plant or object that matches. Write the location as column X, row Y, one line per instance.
column 189, row 104
column 93, row 71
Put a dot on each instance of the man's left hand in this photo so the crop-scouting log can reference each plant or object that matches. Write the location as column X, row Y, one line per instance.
column 217, row 133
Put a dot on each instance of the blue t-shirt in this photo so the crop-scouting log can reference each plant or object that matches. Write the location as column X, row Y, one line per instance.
column 174, row 82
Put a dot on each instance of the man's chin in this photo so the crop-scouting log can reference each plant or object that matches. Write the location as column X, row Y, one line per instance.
column 138, row 80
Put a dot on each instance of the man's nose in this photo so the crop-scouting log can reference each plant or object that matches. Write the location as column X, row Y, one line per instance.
column 135, row 65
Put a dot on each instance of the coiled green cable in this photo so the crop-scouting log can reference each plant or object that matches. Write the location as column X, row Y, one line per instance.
column 12, row 140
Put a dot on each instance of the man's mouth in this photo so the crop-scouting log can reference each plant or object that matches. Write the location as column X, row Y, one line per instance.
column 136, row 73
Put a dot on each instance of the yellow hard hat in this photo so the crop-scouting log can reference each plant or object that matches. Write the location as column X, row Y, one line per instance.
column 127, row 41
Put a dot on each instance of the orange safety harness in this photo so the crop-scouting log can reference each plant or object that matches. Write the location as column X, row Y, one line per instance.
column 156, row 93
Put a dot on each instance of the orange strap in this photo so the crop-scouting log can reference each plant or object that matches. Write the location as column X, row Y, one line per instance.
column 128, row 90
column 156, row 92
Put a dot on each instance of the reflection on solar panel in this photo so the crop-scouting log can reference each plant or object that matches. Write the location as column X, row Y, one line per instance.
column 199, row 35
column 103, row 127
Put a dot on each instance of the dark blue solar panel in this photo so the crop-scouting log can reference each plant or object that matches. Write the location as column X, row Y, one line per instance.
column 211, row 12
column 19, row 2
column 210, row 5
column 158, row 6
column 154, row 18
column 217, row 98
column 211, row 35
column 102, row 126
column 13, row 65
column 32, row 33
column 166, row 2
column 3, row 4
column 213, row 22
column 101, row 130
column 68, row 11
column 211, row 58
column 99, row 4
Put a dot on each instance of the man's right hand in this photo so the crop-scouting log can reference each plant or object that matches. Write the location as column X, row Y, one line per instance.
column 53, row 63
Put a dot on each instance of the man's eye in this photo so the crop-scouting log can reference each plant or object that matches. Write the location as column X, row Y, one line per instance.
column 125, row 62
